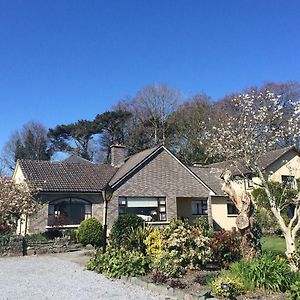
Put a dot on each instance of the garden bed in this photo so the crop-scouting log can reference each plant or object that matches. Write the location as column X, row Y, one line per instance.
column 194, row 282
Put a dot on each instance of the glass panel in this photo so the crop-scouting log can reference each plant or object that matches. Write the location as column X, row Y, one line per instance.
column 163, row 217
column 144, row 212
column 51, row 209
column 141, row 202
column 88, row 208
column 68, row 211
column 231, row 209
column 199, row 207
column 162, row 208
column 78, row 201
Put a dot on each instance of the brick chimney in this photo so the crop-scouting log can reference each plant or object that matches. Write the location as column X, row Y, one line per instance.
column 117, row 155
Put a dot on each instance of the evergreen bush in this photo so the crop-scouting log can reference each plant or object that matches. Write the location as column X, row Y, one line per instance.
column 90, row 231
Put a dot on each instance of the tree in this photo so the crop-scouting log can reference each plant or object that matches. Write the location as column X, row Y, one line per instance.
column 16, row 200
column 259, row 123
column 154, row 105
column 189, row 123
column 74, row 138
column 30, row 142
column 113, row 125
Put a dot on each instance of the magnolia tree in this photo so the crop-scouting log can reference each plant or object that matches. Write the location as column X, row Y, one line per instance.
column 259, row 122
column 16, row 200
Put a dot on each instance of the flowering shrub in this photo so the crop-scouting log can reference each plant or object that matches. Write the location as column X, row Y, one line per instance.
column 227, row 286
column 154, row 243
column 225, row 247
column 179, row 247
column 15, row 200
column 191, row 247
column 169, row 264
column 5, row 228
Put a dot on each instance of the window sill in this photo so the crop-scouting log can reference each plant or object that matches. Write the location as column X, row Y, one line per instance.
column 62, row 226
column 232, row 215
column 159, row 222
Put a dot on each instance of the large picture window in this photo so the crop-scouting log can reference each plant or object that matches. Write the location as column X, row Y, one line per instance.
column 68, row 211
column 199, row 207
column 151, row 209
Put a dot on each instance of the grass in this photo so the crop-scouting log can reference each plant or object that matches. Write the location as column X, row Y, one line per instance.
column 273, row 244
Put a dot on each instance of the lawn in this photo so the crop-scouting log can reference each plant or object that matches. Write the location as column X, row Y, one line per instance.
column 274, row 244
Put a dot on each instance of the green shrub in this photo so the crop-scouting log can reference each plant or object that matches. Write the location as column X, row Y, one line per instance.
column 227, row 286
column 267, row 271
column 123, row 227
column 90, row 231
column 116, row 263
column 136, row 239
column 294, row 291
column 4, row 239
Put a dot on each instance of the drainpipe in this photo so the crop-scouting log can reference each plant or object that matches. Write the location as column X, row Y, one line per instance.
column 209, row 213
column 106, row 195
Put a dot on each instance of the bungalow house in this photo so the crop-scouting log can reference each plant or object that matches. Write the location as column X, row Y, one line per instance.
column 153, row 184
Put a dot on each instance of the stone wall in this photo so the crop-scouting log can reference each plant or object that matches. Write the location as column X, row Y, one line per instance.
column 15, row 246
column 19, row 246
column 57, row 245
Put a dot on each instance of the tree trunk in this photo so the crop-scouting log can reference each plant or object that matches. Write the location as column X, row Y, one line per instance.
column 290, row 244
column 250, row 244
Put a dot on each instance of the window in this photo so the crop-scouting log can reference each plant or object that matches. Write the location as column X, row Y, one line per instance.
column 149, row 208
column 199, row 207
column 288, row 181
column 68, row 211
column 231, row 209
column 250, row 182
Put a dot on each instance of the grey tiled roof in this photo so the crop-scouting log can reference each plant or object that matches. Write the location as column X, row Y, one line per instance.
column 211, row 176
column 237, row 167
column 66, row 177
column 76, row 159
column 131, row 162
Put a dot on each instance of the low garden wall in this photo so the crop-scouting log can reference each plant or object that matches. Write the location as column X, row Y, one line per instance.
column 12, row 246
column 58, row 245
column 19, row 246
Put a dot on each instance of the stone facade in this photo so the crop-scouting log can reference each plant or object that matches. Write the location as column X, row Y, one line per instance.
column 162, row 176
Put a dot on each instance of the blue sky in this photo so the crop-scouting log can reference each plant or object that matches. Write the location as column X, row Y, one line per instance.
column 61, row 61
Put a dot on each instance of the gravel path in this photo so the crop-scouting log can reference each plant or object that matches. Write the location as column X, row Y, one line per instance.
column 59, row 277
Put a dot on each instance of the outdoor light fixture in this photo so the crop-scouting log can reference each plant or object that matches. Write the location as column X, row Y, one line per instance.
column 107, row 193
column 228, row 288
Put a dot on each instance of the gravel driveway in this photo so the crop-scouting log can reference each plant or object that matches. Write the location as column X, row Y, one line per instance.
column 60, row 277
